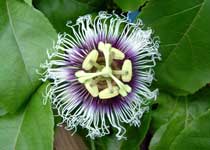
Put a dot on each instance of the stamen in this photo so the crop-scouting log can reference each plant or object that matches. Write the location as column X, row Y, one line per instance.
column 92, row 88
column 105, row 48
column 117, row 54
column 106, row 71
column 83, row 76
column 107, row 93
column 127, row 67
column 90, row 59
column 124, row 88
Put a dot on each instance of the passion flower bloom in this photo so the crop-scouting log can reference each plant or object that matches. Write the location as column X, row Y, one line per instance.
column 100, row 73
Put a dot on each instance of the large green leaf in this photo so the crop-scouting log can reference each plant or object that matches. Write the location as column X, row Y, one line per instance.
column 167, row 106
column 175, row 115
column 196, row 136
column 29, row 2
column 25, row 34
column 134, row 136
column 183, row 28
column 128, row 5
column 29, row 129
column 59, row 12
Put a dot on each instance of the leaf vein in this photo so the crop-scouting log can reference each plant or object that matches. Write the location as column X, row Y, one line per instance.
column 186, row 32
column 19, row 129
column 16, row 41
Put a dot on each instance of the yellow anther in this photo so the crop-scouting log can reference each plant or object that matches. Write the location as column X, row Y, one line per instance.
column 127, row 68
column 117, row 54
column 92, row 88
column 107, row 93
column 104, row 46
column 101, row 46
column 90, row 59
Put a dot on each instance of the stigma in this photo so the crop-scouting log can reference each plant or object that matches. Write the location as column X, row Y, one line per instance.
column 103, row 79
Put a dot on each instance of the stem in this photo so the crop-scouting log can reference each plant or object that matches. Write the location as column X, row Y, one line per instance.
column 92, row 144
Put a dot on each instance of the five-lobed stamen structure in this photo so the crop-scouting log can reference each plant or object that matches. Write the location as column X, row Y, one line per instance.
column 101, row 73
column 104, row 71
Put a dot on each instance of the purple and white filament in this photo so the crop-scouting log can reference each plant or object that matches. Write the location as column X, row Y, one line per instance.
column 100, row 74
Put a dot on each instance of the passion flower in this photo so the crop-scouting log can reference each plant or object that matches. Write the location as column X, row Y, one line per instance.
column 100, row 73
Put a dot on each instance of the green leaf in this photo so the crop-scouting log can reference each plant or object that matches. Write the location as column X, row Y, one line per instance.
column 174, row 115
column 166, row 134
column 167, row 106
column 25, row 36
column 31, row 128
column 196, row 136
column 29, row 2
column 2, row 111
column 59, row 12
column 134, row 136
column 183, row 28
column 128, row 5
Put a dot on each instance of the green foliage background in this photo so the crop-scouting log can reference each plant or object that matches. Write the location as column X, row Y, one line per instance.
column 179, row 119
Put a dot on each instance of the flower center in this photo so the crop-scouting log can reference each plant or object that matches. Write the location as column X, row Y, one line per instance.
column 101, row 76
